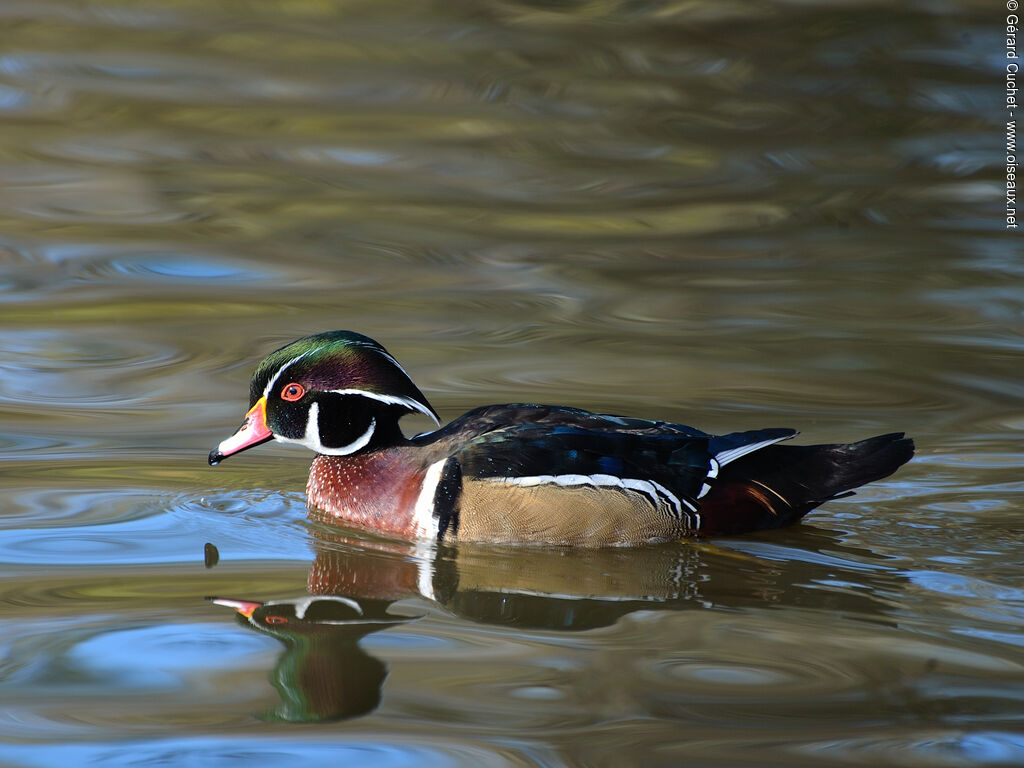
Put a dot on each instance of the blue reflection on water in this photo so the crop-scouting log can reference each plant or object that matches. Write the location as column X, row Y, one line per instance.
column 167, row 530
column 244, row 750
column 994, row 747
column 163, row 655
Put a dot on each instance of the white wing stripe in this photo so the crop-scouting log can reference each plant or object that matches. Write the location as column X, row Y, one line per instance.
column 734, row 453
column 656, row 492
column 711, row 475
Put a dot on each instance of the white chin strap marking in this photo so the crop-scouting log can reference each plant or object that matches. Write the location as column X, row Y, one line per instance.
column 312, row 437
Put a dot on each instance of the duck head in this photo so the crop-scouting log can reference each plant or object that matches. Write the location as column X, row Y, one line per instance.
column 335, row 393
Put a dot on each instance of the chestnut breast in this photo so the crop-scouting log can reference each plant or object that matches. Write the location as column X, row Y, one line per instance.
column 376, row 490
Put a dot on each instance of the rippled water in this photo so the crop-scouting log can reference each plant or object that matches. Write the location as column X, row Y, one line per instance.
column 734, row 215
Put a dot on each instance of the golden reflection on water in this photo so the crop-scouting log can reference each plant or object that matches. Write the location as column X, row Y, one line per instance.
column 727, row 214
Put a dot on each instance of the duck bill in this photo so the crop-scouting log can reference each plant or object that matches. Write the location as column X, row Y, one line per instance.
column 253, row 431
column 244, row 607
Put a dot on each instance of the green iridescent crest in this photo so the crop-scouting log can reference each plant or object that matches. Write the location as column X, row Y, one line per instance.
column 338, row 361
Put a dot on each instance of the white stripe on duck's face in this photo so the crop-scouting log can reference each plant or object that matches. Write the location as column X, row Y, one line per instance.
column 334, row 422
column 273, row 379
column 313, row 437
column 318, row 439
column 405, row 402
column 298, row 421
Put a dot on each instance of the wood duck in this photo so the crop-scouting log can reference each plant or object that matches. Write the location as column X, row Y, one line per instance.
column 521, row 473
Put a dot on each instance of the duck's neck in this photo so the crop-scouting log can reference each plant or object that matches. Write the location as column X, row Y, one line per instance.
column 375, row 489
column 386, row 434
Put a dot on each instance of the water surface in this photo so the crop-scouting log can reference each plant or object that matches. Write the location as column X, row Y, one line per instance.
column 734, row 215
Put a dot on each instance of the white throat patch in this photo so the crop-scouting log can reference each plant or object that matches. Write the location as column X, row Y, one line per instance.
column 311, row 439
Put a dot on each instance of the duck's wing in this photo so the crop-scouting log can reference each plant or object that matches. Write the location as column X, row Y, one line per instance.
column 588, row 473
column 497, row 418
column 673, row 465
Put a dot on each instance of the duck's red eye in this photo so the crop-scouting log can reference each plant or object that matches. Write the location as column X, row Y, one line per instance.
column 271, row 619
column 293, row 392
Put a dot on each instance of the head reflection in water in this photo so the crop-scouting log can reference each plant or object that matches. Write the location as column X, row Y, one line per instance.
column 323, row 674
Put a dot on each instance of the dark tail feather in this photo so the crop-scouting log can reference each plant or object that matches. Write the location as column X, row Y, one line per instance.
column 779, row 484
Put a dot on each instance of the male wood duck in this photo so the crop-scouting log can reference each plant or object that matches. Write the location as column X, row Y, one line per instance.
column 522, row 473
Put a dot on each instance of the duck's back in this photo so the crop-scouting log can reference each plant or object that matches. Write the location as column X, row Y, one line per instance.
column 556, row 475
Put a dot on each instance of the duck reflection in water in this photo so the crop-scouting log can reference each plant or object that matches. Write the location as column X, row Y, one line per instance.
column 323, row 673
column 558, row 589
column 354, row 580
